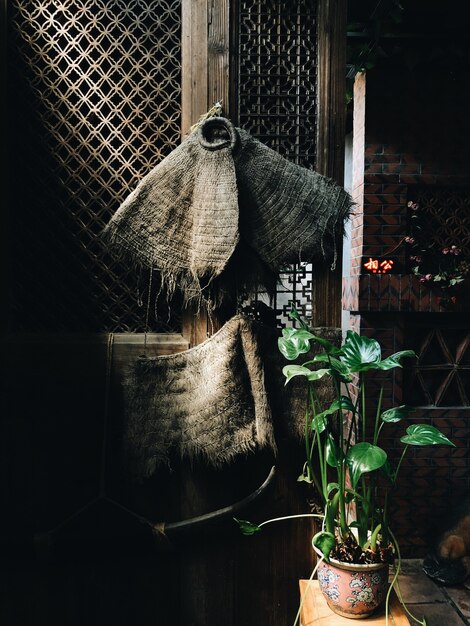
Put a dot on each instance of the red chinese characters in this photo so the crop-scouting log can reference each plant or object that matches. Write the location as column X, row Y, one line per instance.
column 377, row 266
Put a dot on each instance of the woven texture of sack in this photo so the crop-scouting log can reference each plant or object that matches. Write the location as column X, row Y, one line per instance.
column 182, row 218
column 186, row 217
column 208, row 402
column 221, row 399
column 287, row 212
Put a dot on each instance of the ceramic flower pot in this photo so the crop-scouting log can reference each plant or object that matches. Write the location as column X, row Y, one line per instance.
column 353, row 590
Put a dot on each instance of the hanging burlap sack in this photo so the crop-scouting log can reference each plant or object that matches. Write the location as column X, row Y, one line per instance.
column 216, row 401
column 186, row 216
column 182, row 218
column 208, row 402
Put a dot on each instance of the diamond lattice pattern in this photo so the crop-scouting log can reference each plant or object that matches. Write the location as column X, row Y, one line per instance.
column 441, row 376
column 95, row 104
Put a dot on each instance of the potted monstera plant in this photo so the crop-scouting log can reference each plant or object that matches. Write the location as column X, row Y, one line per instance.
column 348, row 465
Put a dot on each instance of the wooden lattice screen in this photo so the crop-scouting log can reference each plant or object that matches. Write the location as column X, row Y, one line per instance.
column 440, row 377
column 447, row 214
column 95, row 95
column 276, row 100
column 95, row 102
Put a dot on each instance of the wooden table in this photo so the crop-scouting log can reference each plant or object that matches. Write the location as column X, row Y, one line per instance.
column 315, row 610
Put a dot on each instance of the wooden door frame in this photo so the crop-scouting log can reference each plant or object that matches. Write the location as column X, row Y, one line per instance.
column 205, row 80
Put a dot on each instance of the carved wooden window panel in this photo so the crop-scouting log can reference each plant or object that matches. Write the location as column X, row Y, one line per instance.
column 276, row 101
column 447, row 214
column 441, row 375
column 94, row 102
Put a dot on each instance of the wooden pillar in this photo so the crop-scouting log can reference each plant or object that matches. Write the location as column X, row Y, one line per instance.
column 331, row 121
column 205, row 81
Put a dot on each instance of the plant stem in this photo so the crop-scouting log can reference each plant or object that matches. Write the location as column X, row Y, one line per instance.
column 321, row 460
column 342, row 504
column 385, row 518
column 399, row 463
column 353, row 421
column 373, row 537
column 309, row 448
column 377, row 415
column 395, row 582
column 280, row 519
column 330, row 512
column 363, row 406
column 306, row 590
column 362, row 514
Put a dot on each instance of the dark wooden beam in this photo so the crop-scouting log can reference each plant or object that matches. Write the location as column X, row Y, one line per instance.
column 205, row 81
column 331, row 122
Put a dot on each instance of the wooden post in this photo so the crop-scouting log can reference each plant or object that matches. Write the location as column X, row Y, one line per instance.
column 193, row 62
column 205, row 81
column 218, row 54
column 331, row 120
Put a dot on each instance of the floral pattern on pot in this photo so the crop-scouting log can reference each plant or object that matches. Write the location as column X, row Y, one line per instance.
column 353, row 593
column 362, row 591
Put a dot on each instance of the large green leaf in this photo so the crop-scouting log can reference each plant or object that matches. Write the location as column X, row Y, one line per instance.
column 295, row 315
column 290, row 371
column 319, row 423
column 346, row 403
column 388, row 470
column 396, row 414
column 317, row 374
column 360, row 353
column 329, row 347
column 331, row 451
column 394, row 360
column 294, row 342
column 337, row 405
column 424, row 435
column 363, row 353
column 336, row 365
column 340, row 368
column 325, row 542
column 362, row 458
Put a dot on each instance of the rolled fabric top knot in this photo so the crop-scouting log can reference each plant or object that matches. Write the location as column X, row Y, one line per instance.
column 216, row 133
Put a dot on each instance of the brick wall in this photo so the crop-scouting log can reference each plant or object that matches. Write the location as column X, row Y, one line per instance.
column 409, row 129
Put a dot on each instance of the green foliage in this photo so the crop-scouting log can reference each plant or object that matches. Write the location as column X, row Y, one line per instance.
column 247, row 528
column 424, row 435
column 362, row 458
column 346, row 435
column 396, row 414
column 325, row 542
column 290, row 371
column 294, row 342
